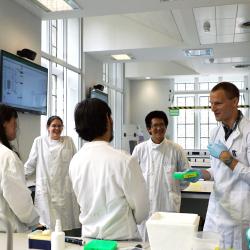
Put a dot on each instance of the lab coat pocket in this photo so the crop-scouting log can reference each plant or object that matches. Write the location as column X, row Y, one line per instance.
column 66, row 155
column 237, row 204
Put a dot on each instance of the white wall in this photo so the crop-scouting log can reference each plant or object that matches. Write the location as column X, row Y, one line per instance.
column 20, row 29
column 146, row 96
column 92, row 72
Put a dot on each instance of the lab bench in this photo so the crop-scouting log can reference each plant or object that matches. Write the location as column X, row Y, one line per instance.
column 20, row 242
column 194, row 199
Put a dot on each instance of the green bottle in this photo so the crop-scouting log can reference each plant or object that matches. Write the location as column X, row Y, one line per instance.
column 184, row 175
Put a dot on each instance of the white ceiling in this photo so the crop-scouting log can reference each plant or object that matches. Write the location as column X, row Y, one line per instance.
column 182, row 21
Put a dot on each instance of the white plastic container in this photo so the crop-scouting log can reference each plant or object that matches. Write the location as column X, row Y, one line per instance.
column 58, row 237
column 206, row 241
column 173, row 231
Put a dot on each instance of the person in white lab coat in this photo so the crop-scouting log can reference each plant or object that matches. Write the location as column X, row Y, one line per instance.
column 108, row 183
column 15, row 198
column 159, row 158
column 49, row 158
column 229, row 205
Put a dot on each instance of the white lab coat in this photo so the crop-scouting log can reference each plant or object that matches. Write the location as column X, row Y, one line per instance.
column 54, row 196
column 111, row 192
column 15, row 198
column 158, row 162
column 229, row 204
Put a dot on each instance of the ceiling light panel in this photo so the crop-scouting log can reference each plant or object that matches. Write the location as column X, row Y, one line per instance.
column 121, row 57
column 56, row 5
column 198, row 52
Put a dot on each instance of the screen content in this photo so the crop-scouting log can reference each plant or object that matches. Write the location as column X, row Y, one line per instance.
column 99, row 95
column 24, row 86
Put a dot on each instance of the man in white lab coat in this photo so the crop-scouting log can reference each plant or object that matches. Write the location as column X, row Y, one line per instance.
column 159, row 158
column 229, row 204
column 108, row 183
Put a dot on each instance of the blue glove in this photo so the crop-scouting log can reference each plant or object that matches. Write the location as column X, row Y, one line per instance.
column 215, row 149
column 191, row 172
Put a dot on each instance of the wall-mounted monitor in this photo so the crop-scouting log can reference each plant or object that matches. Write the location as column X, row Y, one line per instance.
column 23, row 84
column 96, row 93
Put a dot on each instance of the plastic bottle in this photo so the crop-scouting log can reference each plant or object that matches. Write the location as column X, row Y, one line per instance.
column 58, row 237
column 183, row 175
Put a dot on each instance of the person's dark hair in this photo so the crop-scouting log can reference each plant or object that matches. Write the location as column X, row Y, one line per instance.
column 52, row 118
column 6, row 113
column 230, row 89
column 156, row 114
column 91, row 118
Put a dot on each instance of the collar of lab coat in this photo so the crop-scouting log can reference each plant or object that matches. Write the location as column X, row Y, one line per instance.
column 156, row 146
column 95, row 143
column 61, row 138
column 221, row 133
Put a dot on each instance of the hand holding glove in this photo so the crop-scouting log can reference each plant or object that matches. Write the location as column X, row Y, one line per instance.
column 190, row 175
column 215, row 149
column 193, row 175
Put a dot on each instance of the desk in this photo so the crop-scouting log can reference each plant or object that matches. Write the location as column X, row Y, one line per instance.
column 20, row 242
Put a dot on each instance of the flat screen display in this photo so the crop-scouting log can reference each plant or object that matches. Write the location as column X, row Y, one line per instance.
column 96, row 93
column 23, row 84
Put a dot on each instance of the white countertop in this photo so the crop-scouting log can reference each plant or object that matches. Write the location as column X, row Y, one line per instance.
column 20, row 242
column 200, row 186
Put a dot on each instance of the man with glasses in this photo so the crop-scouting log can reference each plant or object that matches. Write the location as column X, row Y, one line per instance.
column 159, row 158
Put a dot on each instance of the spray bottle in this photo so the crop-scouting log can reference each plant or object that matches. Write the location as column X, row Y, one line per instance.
column 58, row 237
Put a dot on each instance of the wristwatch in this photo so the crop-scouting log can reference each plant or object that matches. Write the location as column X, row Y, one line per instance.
column 227, row 158
column 228, row 161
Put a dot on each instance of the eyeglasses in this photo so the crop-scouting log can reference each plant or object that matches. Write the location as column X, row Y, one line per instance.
column 56, row 126
column 160, row 125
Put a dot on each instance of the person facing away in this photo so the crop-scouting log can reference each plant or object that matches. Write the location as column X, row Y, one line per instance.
column 15, row 198
column 108, row 183
column 159, row 158
column 229, row 204
column 49, row 159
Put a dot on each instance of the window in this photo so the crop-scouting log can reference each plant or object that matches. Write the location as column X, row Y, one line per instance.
column 194, row 125
column 61, row 55
column 113, row 78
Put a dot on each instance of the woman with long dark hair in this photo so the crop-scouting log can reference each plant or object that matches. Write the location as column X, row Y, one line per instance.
column 15, row 199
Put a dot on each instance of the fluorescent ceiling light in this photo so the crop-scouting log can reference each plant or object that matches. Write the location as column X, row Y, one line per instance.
column 147, row 77
column 56, row 5
column 198, row 52
column 121, row 57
